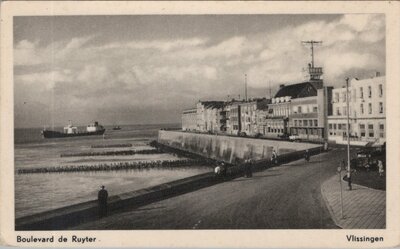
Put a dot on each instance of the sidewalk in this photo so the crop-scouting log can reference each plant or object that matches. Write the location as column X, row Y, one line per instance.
column 363, row 208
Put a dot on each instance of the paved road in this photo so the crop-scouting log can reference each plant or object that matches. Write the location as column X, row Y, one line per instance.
column 288, row 196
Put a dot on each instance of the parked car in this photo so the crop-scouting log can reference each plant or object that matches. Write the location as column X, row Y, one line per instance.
column 368, row 158
column 294, row 138
column 284, row 136
column 258, row 135
column 242, row 134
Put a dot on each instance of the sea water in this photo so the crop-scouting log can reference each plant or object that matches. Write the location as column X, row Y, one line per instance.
column 39, row 192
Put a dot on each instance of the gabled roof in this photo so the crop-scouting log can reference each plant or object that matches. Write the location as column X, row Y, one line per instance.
column 299, row 90
column 213, row 104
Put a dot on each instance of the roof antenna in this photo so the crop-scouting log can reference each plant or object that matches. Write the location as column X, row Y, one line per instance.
column 312, row 49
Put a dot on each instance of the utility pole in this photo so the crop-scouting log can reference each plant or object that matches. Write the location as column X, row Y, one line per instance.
column 312, row 49
column 348, row 131
column 245, row 86
column 269, row 86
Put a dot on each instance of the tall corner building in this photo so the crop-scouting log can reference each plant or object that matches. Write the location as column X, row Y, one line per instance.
column 367, row 112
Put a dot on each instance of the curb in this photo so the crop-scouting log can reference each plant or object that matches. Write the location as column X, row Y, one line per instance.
column 327, row 204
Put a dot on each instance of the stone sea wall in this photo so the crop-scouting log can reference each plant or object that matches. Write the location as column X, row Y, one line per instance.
column 228, row 148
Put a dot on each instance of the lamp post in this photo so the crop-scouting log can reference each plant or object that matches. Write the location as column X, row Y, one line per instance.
column 348, row 134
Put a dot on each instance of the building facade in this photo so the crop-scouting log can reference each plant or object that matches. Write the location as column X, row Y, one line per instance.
column 300, row 109
column 309, row 115
column 367, row 112
column 208, row 116
column 189, row 120
column 234, row 117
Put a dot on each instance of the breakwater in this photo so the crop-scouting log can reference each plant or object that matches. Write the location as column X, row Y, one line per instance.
column 110, row 146
column 112, row 153
column 228, row 148
column 115, row 166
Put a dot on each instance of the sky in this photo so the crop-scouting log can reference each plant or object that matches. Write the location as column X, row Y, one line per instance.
column 148, row 68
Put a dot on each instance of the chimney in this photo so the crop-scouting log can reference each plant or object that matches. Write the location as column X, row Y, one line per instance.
column 377, row 74
column 281, row 86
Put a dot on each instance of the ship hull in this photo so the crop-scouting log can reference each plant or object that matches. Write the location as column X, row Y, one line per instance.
column 56, row 134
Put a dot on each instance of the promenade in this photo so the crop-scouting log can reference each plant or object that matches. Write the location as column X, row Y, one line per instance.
column 363, row 208
column 283, row 197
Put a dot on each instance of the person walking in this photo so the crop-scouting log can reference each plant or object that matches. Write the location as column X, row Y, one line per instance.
column 380, row 168
column 250, row 168
column 274, row 158
column 217, row 172
column 102, row 200
column 307, row 155
column 349, row 181
column 326, row 145
column 345, row 177
column 223, row 170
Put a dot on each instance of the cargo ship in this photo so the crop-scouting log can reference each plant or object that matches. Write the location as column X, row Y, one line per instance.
column 116, row 128
column 72, row 131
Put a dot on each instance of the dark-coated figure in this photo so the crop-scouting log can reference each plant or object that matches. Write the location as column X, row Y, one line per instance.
column 102, row 199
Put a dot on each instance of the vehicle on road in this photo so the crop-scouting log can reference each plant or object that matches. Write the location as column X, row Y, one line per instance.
column 368, row 158
column 294, row 138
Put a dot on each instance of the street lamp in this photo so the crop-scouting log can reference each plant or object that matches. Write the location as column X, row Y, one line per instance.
column 348, row 134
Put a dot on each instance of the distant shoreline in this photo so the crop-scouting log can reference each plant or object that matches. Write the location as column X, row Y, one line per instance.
column 106, row 125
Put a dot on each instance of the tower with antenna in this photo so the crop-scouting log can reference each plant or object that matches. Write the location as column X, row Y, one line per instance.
column 314, row 72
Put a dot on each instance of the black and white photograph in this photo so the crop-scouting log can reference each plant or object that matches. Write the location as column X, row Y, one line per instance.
column 238, row 121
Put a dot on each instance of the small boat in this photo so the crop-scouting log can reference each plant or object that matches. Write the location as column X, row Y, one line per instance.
column 115, row 128
column 72, row 131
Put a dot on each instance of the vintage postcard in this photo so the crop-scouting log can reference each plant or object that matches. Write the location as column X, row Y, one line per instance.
column 200, row 124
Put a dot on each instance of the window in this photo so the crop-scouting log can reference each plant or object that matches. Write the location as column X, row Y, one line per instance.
column 380, row 90
column 369, row 92
column 315, row 122
column 369, row 108
column 362, row 126
column 362, row 134
column 295, row 123
column 381, row 130
column 343, row 96
column 300, row 123
column 344, row 110
column 334, row 126
column 299, row 109
column 336, row 97
column 370, row 130
column 339, row 126
column 380, row 107
column 305, row 122
column 361, row 93
column 330, row 127
column 362, row 108
column 338, row 111
column 315, row 109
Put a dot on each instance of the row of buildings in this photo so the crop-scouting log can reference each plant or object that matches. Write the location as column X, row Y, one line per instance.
column 307, row 110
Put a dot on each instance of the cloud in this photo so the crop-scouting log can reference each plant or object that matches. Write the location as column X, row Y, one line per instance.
column 175, row 72
column 26, row 54
column 45, row 80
